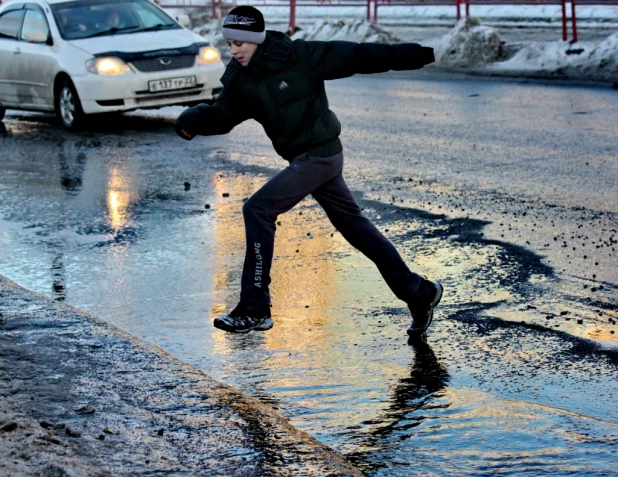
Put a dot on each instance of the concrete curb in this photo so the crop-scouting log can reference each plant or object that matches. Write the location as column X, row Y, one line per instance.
column 81, row 396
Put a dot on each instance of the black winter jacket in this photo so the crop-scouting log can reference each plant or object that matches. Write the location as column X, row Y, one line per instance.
column 283, row 89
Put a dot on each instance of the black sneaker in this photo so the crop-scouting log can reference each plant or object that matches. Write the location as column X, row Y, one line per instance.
column 245, row 318
column 422, row 310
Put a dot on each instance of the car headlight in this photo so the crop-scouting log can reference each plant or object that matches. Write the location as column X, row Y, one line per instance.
column 208, row 55
column 108, row 66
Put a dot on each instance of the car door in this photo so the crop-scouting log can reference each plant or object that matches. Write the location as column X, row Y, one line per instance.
column 36, row 64
column 10, row 26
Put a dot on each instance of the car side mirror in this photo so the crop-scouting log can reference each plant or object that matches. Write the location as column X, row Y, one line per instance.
column 184, row 20
column 36, row 37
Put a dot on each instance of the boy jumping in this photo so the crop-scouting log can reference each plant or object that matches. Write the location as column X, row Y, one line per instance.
column 280, row 84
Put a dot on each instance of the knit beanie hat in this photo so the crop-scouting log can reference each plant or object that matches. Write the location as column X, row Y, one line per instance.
column 246, row 24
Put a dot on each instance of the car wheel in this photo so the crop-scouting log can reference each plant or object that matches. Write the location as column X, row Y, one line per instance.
column 68, row 107
column 2, row 113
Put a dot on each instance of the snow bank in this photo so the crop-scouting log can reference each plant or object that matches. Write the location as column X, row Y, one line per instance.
column 584, row 60
column 479, row 49
column 350, row 30
column 469, row 44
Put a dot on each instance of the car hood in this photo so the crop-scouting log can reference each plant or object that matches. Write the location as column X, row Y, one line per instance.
column 136, row 42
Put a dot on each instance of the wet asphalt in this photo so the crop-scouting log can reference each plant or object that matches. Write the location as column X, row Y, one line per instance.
column 506, row 191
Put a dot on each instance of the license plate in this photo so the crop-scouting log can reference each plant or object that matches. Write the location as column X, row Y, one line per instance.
column 172, row 83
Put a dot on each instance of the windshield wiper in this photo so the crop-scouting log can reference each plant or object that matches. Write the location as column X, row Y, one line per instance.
column 159, row 26
column 111, row 31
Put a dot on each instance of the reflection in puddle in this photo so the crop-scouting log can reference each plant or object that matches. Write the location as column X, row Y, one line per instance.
column 72, row 162
column 58, row 278
column 120, row 194
column 421, row 390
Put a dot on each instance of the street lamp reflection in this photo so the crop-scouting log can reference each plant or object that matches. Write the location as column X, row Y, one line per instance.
column 119, row 196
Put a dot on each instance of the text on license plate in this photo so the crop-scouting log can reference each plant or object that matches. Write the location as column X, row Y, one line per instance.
column 172, row 83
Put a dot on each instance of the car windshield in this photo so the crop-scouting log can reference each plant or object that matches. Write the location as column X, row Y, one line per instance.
column 90, row 18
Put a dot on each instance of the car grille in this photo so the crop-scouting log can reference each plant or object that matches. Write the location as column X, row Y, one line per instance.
column 164, row 63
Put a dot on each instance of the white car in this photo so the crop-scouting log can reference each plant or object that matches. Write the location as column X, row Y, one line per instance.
column 80, row 57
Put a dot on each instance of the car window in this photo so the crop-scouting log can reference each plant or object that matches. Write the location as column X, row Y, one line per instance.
column 35, row 25
column 10, row 23
column 89, row 18
column 74, row 22
column 151, row 16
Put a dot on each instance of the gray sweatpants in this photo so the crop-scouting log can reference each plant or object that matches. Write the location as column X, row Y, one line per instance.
column 322, row 177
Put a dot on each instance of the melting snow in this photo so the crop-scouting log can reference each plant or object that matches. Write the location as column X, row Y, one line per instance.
column 583, row 60
column 469, row 43
column 350, row 30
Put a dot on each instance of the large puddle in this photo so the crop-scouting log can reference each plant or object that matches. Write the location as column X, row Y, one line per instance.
column 511, row 380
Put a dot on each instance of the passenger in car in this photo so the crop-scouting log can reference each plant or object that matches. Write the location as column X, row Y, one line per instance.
column 280, row 84
column 69, row 24
column 111, row 19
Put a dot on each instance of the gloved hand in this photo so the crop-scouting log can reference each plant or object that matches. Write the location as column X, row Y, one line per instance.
column 185, row 123
column 180, row 130
column 427, row 55
column 411, row 56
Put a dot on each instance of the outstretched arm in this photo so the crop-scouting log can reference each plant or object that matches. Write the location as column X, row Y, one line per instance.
column 209, row 120
column 325, row 60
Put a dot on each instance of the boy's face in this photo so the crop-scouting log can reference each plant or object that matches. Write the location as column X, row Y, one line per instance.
column 242, row 51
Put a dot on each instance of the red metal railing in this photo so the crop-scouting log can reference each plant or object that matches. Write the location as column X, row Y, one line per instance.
column 415, row 3
column 562, row 3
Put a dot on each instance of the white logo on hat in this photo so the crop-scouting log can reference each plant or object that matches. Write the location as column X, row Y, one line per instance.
column 238, row 20
column 283, row 85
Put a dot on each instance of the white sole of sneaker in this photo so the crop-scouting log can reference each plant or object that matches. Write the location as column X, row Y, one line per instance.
column 266, row 325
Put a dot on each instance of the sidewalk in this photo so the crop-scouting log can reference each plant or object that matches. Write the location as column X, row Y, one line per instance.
column 80, row 397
